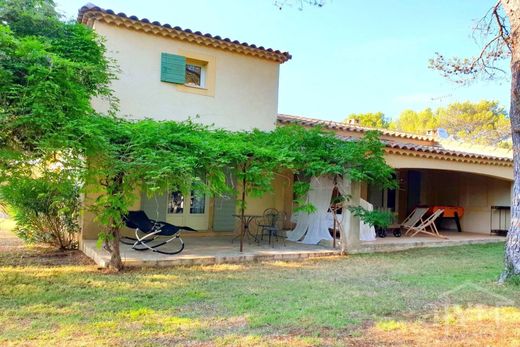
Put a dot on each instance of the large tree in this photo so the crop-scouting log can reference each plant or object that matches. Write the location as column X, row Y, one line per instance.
column 501, row 31
column 371, row 120
column 415, row 122
column 484, row 122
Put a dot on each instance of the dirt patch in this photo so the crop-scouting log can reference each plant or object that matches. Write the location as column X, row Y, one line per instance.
column 455, row 326
column 14, row 252
column 42, row 256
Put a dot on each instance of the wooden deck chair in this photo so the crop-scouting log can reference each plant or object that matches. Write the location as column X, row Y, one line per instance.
column 414, row 218
column 428, row 226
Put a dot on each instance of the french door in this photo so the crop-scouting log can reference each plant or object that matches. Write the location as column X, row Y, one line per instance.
column 188, row 209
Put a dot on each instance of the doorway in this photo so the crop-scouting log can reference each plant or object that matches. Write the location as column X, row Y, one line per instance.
column 188, row 209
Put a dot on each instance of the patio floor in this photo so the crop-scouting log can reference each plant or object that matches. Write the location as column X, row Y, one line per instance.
column 206, row 250
column 217, row 249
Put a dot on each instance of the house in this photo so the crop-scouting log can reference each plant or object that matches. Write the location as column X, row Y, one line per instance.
column 167, row 72
column 172, row 73
column 432, row 171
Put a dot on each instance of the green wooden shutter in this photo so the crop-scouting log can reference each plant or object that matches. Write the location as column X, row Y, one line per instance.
column 173, row 68
column 225, row 208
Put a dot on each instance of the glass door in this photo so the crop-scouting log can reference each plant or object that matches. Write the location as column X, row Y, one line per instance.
column 188, row 210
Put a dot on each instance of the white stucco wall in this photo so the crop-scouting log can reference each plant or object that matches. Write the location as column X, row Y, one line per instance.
column 245, row 92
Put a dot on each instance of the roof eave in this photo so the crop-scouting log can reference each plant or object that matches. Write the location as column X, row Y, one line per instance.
column 90, row 13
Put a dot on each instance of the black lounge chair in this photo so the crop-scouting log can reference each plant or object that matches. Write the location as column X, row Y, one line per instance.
column 147, row 230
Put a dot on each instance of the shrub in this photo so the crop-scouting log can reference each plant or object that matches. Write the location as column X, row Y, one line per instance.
column 45, row 208
column 378, row 219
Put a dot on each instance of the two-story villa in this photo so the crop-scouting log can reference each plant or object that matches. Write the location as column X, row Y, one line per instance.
column 170, row 73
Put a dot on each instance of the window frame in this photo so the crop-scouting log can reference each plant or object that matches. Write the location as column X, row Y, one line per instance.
column 208, row 75
column 203, row 67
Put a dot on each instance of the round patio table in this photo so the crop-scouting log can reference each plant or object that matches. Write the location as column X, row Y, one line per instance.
column 245, row 221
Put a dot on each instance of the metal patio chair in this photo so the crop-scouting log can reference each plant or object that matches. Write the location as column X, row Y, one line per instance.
column 148, row 230
column 271, row 224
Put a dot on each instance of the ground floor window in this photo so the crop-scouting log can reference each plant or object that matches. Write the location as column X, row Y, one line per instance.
column 176, row 203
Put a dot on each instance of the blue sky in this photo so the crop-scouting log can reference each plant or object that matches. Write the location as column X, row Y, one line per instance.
column 348, row 56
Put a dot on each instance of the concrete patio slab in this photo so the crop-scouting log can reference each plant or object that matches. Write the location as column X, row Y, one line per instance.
column 218, row 249
column 207, row 250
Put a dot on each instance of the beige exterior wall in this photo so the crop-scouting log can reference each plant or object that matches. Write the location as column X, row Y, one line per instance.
column 90, row 228
column 244, row 95
column 475, row 193
column 280, row 198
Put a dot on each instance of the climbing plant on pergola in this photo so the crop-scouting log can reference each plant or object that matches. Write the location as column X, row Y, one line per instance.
column 50, row 70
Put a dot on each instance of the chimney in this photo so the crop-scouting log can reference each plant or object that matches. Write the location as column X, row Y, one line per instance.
column 353, row 121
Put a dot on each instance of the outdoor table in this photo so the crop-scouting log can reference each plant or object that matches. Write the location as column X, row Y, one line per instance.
column 450, row 212
column 245, row 221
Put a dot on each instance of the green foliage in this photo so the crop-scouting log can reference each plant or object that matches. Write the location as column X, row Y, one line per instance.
column 371, row 120
column 315, row 152
column 416, row 122
column 50, row 71
column 46, row 208
column 380, row 219
column 30, row 17
column 484, row 122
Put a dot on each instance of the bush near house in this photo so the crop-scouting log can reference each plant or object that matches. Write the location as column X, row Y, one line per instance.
column 45, row 208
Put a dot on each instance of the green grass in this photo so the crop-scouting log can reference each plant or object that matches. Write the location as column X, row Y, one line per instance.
column 322, row 301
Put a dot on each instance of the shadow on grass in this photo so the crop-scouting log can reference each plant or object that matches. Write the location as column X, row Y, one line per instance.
column 320, row 301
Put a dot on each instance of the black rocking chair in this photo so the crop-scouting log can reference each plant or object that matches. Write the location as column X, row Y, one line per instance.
column 147, row 230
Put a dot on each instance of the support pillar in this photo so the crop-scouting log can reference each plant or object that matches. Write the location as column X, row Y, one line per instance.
column 350, row 236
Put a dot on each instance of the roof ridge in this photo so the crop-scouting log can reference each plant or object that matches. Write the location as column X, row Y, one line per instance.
column 360, row 128
column 227, row 43
column 428, row 149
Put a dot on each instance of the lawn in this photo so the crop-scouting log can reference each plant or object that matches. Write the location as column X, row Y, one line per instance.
column 435, row 296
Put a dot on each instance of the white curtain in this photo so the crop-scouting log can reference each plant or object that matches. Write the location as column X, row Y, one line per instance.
column 312, row 228
column 366, row 232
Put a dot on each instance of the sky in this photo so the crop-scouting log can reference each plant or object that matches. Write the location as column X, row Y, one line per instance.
column 349, row 56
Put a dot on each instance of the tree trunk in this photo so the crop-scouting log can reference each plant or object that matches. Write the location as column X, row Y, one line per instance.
column 115, row 227
column 115, row 256
column 512, row 251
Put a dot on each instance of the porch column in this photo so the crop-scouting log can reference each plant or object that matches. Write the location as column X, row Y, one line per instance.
column 350, row 240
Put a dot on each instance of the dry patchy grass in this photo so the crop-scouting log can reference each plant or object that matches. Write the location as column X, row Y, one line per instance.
column 441, row 296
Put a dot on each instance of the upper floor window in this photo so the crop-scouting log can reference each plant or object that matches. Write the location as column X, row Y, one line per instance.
column 193, row 73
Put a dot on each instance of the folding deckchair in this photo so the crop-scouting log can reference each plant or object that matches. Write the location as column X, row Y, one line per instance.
column 414, row 218
column 428, row 223
column 147, row 230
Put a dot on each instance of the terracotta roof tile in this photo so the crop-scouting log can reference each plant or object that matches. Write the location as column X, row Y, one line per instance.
column 400, row 139
column 284, row 118
column 90, row 11
column 444, row 151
